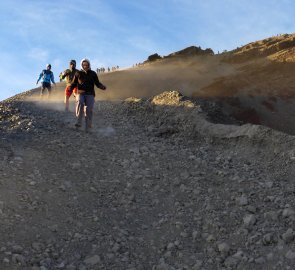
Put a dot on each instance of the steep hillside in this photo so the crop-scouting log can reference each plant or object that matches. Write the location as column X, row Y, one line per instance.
column 262, row 90
column 254, row 83
column 279, row 48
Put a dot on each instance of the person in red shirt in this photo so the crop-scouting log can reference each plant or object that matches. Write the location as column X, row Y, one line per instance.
column 68, row 75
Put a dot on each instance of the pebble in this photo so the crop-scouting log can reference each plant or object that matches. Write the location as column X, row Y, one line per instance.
column 242, row 200
column 223, row 248
column 288, row 236
column 290, row 255
column 93, row 260
column 249, row 220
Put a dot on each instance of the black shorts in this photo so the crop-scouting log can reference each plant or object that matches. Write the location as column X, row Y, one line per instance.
column 46, row 85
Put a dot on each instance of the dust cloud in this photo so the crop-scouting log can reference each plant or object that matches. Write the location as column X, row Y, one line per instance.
column 194, row 76
column 186, row 75
column 54, row 102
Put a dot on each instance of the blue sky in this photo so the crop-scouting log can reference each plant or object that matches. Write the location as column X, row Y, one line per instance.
column 113, row 32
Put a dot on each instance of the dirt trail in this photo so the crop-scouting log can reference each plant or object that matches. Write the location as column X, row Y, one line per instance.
column 152, row 187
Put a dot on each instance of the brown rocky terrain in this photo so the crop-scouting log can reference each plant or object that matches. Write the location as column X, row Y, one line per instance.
column 254, row 83
column 164, row 180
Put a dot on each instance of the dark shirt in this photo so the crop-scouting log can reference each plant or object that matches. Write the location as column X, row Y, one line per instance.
column 85, row 81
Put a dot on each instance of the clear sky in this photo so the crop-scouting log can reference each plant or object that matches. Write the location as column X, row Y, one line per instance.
column 124, row 32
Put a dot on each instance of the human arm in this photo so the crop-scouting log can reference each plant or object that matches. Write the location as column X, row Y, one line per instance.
column 98, row 83
column 40, row 76
column 52, row 78
column 64, row 74
column 61, row 76
column 74, row 83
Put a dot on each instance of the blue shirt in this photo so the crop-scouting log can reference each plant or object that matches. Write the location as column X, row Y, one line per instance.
column 47, row 76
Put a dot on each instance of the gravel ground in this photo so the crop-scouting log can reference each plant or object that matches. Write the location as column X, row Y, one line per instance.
column 155, row 185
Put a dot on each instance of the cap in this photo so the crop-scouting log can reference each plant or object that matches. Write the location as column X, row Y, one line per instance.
column 73, row 62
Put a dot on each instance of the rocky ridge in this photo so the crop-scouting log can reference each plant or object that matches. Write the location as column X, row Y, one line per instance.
column 275, row 48
column 187, row 52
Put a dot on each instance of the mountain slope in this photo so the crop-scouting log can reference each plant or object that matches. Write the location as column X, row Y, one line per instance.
column 155, row 186
column 161, row 182
column 254, row 83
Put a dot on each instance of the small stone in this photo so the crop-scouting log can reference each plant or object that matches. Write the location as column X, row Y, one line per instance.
column 36, row 246
column 210, row 238
column 163, row 266
column 269, row 256
column 231, row 262
column 249, row 220
column 271, row 215
column 269, row 184
column 197, row 265
column 252, row 209
column 61, row 265
column 18, row 259
column 242, row 200
column 71, row 267
column 260, row 260
column 110, row 255
column 168, row 254
column 288, row 212
column 116, row 247
column 224, row 248
column 93, row 189
column 290, row 255
column 268, row 239
column 1, row 205
column 288, row 236
column 239, row 255
column 195, row 235
column 92, row 260
column 170, row 246
column 53, row 228
column 17, row 249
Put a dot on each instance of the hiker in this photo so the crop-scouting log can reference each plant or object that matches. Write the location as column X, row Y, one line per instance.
column 69, row 74
column 47, row 77
column 84, row 80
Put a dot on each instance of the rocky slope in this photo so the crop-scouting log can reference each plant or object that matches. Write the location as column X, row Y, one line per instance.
column 156, row 185
column 254, row 83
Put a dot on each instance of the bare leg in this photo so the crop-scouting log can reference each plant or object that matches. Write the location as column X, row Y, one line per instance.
column 67, row 103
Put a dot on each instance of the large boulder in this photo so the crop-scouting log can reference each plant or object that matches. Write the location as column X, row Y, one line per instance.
column 153, row 57
column 171, row 98
column 192, row 50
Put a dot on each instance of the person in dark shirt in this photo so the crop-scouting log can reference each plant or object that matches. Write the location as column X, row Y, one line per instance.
column 85, row 80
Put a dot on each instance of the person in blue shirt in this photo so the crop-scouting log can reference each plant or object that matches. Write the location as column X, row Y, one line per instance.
column 47, row 77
